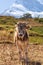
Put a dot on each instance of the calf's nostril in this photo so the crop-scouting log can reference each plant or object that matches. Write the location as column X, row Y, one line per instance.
column 20, row 34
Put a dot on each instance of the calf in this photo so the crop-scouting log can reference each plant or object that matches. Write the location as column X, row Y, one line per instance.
column 21, row 38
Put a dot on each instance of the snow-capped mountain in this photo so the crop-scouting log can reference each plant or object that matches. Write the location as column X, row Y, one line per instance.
column 18, row 8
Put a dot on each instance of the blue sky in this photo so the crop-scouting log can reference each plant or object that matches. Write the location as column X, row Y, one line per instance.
column 7, row 4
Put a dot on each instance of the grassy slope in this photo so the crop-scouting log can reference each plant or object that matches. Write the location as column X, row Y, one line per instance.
column 7, row 23
column 38, row 29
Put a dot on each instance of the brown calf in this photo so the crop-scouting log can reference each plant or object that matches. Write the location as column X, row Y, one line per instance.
column 21, row 38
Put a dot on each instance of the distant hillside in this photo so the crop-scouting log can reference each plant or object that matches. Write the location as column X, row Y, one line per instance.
column 7, row 28
column 7, row 20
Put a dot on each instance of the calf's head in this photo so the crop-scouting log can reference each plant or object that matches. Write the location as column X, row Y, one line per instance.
column 21, row 29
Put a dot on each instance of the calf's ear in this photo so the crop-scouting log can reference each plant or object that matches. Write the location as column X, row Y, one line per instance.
column 28, row 27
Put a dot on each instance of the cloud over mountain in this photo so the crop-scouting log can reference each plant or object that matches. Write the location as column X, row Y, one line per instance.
column 18, row 8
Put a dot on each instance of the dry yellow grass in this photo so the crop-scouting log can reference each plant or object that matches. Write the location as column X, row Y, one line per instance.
column 9, row 54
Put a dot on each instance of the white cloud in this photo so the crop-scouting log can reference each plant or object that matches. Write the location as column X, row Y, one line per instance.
column 19, row 6
column 41, row 1
column 22, row 10
column 19, row 13
column 35, row 14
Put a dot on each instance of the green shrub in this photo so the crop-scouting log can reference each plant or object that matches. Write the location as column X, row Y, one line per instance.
column 41, row 20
